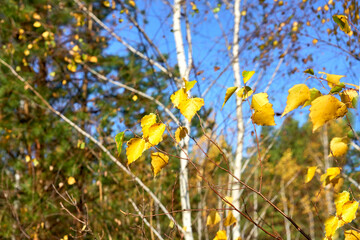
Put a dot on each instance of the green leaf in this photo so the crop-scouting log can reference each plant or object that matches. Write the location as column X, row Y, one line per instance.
column 314, row 93
column 342, row 22
column 119, row 138
column 337, row 88
column 309, row 71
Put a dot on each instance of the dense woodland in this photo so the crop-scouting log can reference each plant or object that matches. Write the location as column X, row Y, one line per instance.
column 179, row 119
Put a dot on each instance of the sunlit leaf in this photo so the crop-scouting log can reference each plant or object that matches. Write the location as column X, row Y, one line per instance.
column 119, row 138
column 244, row 92
column 348, row 212
column 264, row 116
column 135, row 148
column 220, row 235
column 310, row 174
column 298, row 95
column 348, row 96
column 331, row 225
column 155, row 133
column 180, row 133
column 158, row 162
column 230, row 219
column 342, row 22
column 314, row 93
column 229, row 92
column 338, row 146
column 247, row 75
column 37, row 24
column 178, row 97
column 132, row 3
column 229, row 199
column 324, row 109
column 332, row 79
column 337, row 88
column 259, row 100
column 340, row 200
column 146, row 122
column 71, row 180
column 189, row 85
column 330, row 174
column 189, row 107
column 351, row 235
column 213, row 218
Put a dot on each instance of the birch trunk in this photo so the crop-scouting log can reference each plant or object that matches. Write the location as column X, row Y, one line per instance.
column 327, row 164
column 237, row 164
column 286, row 210
column 183, row 177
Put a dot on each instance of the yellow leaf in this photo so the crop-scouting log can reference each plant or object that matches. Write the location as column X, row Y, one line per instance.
column 264, row 116
column 331, row 225
column 348, row 212
column 244, row 92
column 178, row 97
column 135, row 98
column 330, row 174
column 298, row 95
column 45, row 34
column 106, row 3
column 338, row 146
column 213, row 218
column 171, row 224
column 135, row 148
column 180, row 133
column 247, row 74
column 71, row 67
column 347, row 97
column 155, row 133
column 146, row 122
column 229, row 92
column 340, row 200
column 229, row 199
column 26, row 52
column 220, row 235
column 132, row 3
column 71, row 180
column 189, row 85
column 332, row 79
column 314, row 93
column 36, row 16
column 158, row 162
column 324, row 109
column 351, row 235
column 93, row 59
column 27, row 158
column 310, row 174
column 259, row 100
column 343, row 23
column 37, row 24
column 230, row 219
column 189, row 107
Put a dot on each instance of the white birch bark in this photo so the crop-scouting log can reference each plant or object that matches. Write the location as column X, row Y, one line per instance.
column 286, row 210
column 237, row 161
column 183, row 177
column 327, row 164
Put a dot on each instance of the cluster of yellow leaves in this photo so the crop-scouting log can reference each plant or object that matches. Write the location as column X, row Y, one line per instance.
column 345, row 213
column 187, row 106
column 77, row 57
column 152, row 136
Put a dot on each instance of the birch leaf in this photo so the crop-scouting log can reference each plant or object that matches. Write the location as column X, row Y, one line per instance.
column 332, row 79
column 314, row 93
column 331, row 225
column 155, row 133
column 342, row 22
column 310, row 174
column 338, row 146
column 213, row 218
column 324, row 109
column 189, row 85
column 230, row 219
column 247, row 75
column 146, row 122
column 135, row 148
column 330, row 174
column 180, row 133
column 189, row 107
column 71, row 180
column 351, row 235
column 348, row 212
column 229, row 92
column 178, row 97
column 119, row 141
column 298, row 95
column 158, row 162
column 348, row 96
column 244, row 92
column 229, row 199
column 264, row 116
column 220, row 235
column 259, row 100
column 340, row 200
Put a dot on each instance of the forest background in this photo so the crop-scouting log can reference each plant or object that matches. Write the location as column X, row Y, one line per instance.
column 74, row 74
